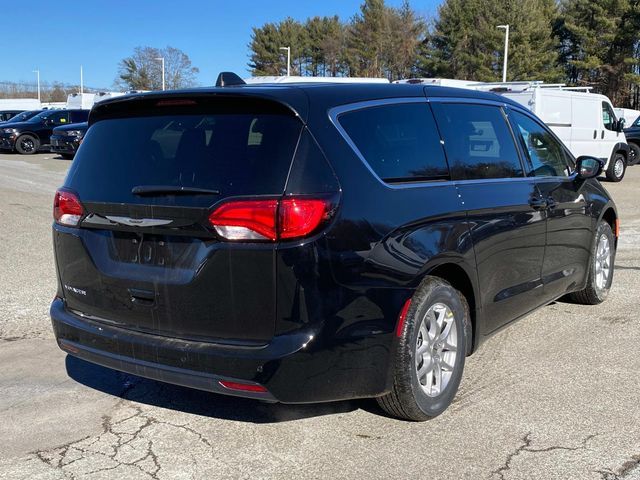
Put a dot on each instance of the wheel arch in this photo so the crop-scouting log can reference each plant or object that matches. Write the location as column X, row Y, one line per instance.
column 610, row 215
column 461, row 280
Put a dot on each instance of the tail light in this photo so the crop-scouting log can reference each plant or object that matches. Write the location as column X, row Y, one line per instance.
column 269, row 219
column 67, row 209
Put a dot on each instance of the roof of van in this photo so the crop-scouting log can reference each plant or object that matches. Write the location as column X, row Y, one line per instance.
column 299, row 96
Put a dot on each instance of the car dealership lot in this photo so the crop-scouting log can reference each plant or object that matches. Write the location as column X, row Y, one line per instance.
column 555, row 396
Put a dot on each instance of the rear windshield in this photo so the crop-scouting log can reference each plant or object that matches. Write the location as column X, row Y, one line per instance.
column 236, row 154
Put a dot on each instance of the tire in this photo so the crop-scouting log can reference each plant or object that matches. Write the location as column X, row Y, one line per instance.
column 634, row 154
column 617, row 168
column 27, row 144
column 419, row 400
column 598, row 287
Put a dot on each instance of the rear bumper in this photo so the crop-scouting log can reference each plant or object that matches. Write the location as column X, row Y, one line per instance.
column 300, row 367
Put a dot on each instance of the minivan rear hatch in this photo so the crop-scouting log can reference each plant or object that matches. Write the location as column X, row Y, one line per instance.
column 148, row 174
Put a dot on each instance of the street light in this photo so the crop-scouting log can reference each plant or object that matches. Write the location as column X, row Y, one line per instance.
column 288, row 49
column 506, row 51
column 162, row 60
column 37, row 72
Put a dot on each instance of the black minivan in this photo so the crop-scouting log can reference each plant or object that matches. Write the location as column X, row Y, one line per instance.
column 316, row 242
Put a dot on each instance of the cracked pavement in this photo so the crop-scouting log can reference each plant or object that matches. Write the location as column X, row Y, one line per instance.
column 555, row 396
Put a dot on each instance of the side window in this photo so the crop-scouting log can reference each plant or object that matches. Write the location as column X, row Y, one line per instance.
column 59, row 118
column 608, row 117
column 477, row 141
column 545, row 154
column 400, row 142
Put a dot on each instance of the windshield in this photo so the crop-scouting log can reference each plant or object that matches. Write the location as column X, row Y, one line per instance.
column 24, row 116
column 636, row 123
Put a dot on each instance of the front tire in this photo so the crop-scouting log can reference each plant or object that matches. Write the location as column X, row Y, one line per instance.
column 431, row 352
column 27, row 144
column 600, row 275
column 617, row 168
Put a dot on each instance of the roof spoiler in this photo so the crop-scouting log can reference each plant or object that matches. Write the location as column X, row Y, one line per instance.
column 229, row 79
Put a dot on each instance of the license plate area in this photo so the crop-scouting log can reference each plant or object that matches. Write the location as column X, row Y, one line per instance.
column 149, row 249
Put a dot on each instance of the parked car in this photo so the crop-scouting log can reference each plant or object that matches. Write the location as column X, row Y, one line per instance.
column 27, row 137
column 6, row 115
column 66, row 139
column 632, row 134
column 310, row 243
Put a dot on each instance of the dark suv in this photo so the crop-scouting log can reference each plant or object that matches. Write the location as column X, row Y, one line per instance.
column 316, row 242
column 31, row 135
column 632, row 134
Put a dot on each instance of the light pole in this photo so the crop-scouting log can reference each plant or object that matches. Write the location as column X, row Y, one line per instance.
column 81, row 81
column 506, row 51
column 288, row 49
column 37, row 72
column 162, row 60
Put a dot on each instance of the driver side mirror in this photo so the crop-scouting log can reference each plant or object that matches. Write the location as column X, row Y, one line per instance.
column 620, row 125
column 588, row 167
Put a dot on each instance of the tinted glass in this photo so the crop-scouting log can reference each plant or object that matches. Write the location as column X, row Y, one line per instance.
column 636, row 123
column 477, row 141
column 545, row 154
column 21, row 117
column 79, row 116
column 608, row 117
column 400, row 142
column 244, row 154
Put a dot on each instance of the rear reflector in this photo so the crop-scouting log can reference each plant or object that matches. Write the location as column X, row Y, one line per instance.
column 67, row 209
column 269, row 219
column 402, row 317
column 243, row 387
column 617, row 228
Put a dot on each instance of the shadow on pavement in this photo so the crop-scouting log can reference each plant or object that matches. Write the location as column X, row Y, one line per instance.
column 199, row 402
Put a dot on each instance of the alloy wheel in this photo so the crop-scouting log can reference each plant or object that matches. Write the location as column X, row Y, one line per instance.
column 436, row 349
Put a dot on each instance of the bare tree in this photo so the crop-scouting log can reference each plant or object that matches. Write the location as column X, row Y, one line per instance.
column 143, row 70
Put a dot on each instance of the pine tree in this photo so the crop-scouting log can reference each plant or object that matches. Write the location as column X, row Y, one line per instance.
column 466, row 44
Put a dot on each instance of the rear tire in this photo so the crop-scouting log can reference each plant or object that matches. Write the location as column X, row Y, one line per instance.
column 634, row 154
column 601, row 265
column 617, row 168
column 431, row 353
column 27, row 144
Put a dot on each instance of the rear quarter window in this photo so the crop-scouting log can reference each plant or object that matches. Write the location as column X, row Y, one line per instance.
column 400, row 142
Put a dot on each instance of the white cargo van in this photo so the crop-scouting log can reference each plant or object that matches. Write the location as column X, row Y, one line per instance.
column 100, row 96
column 584, row 121
column 83, row 101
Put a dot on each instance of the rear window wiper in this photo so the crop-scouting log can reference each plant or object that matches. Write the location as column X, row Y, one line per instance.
column 150, row 190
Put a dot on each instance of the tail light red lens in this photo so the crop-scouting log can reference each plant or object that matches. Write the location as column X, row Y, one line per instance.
column 269, row 219
column 246, row 220
column 300, row 217
column 67, row 209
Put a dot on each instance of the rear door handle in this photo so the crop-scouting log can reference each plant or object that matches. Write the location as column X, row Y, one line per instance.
column 538, row 203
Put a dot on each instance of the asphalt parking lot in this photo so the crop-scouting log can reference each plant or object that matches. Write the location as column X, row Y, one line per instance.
column 555, row 396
